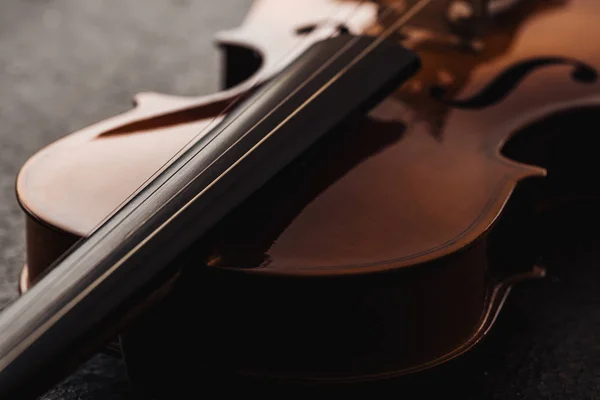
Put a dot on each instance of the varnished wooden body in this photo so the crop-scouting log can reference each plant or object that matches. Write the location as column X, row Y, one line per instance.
column 387, row 249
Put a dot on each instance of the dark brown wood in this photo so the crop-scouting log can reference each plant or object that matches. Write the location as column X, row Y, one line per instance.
column 370, row 258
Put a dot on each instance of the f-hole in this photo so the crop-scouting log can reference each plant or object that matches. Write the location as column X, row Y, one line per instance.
column 506, row 82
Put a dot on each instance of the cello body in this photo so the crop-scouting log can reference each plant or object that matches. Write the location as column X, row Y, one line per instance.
column 387, row 249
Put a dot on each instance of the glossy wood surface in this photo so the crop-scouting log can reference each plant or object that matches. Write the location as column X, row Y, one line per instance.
column 421, row 179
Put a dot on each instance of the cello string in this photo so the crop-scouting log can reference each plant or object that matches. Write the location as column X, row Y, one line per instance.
column 9, row 356
column 213, row 121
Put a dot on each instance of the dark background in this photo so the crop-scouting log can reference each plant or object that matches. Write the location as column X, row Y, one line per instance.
column 67, row 64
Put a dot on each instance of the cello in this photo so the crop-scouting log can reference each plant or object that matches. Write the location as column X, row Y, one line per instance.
column 408, row 230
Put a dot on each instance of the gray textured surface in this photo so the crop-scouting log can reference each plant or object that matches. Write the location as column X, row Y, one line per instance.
column 65, row 64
